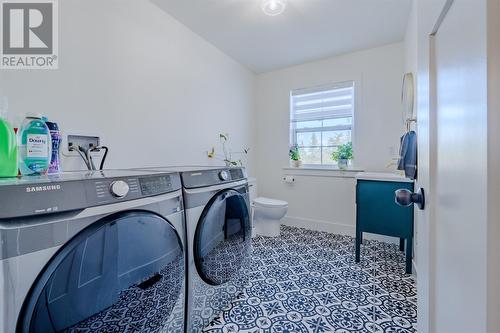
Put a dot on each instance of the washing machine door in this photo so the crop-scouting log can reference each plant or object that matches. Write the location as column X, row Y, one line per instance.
column 124, row 273
column 222, row 241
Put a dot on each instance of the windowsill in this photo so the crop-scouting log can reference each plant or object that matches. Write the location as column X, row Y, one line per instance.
column 322, row 171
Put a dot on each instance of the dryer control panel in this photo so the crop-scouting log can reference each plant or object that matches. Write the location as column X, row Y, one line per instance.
column 203, row 178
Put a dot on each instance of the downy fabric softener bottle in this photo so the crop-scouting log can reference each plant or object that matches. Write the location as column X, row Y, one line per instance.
column 35, row 146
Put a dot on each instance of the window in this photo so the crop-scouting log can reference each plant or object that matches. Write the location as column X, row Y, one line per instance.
column 321, row 120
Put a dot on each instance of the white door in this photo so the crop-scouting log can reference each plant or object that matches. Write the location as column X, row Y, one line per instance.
column 455, row 294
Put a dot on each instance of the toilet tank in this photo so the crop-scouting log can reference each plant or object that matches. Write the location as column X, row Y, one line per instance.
column 252, row 186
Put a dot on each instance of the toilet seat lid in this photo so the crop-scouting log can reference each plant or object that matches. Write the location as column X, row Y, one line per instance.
column 267, row 202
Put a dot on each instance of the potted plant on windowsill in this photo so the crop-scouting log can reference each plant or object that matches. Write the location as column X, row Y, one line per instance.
column 295, row 157
column 343, row 155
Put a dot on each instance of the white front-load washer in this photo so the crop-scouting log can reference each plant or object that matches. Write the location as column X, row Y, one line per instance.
column 96, row 251
column 218, row 235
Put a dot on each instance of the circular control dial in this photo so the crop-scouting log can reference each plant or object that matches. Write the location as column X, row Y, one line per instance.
column 119, row 188
column 223, row 175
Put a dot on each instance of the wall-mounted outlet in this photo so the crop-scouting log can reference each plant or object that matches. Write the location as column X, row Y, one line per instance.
column 83, row 141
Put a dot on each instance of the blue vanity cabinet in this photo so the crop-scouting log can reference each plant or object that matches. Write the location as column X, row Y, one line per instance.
column 378, row 213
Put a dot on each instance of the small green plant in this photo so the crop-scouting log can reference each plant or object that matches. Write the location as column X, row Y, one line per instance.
column 344, row 152
column 294, row 153
column 226, row 152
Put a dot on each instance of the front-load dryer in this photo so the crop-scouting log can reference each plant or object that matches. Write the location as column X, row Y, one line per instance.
column 218, row 234
column 218, row 238
column 92, row 252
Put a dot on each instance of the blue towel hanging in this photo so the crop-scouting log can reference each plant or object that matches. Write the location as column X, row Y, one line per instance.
column 408, row 154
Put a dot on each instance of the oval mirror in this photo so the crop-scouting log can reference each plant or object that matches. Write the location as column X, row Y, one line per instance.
column 408, row 97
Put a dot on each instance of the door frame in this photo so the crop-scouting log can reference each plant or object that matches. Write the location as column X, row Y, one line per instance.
column 427, row 97
column 427, row 126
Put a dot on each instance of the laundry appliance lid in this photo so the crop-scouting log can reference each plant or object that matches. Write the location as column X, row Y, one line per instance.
column 78, row 176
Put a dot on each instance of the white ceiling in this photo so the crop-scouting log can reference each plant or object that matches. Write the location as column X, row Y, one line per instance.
column 308, row 29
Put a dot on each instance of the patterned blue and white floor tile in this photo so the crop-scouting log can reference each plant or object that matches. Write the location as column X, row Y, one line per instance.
column 307, row 281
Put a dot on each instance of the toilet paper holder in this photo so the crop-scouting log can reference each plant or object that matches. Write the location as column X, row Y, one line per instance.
column 289, row 179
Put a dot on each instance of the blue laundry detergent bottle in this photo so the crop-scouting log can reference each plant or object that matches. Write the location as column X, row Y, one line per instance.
column 56, row 138
column 35, row 146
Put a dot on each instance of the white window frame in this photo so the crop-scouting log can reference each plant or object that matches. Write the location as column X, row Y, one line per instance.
column 294, row 130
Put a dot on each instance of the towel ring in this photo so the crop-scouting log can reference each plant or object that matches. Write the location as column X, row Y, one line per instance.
column 408, row 123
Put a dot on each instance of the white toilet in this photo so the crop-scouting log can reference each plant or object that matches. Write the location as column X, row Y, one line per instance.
column 266, row 213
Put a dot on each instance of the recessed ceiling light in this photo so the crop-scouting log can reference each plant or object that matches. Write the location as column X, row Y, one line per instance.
column 273, row 7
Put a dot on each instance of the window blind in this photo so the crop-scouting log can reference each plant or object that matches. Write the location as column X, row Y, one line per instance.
column 326, row 102
column 321, row 121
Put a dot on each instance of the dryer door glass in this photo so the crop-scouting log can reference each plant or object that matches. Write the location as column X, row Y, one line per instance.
column 222, row 242
column 122, row 274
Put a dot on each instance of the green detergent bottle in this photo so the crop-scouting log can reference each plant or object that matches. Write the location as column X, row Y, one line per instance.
column 8, row 144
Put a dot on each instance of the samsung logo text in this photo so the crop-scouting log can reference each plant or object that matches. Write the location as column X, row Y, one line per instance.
column 44, row 188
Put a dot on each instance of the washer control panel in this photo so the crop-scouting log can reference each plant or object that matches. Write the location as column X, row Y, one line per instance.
column 155, row 185
column 107, row 191
column 73, row 191
column 111, row 190
column 119, row 188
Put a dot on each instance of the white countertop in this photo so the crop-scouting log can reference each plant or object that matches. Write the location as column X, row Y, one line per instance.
column 383, row 176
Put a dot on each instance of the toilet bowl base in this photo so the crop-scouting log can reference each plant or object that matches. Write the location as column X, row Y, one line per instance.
column 267, row 227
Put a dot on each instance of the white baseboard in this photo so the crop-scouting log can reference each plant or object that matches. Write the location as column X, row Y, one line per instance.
column 319, row 225
column 414, row 264
column 333, row 227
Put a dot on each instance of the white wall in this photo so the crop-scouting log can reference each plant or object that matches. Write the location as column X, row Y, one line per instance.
column 410, row 44
column 328, row 202
column 157, row 93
